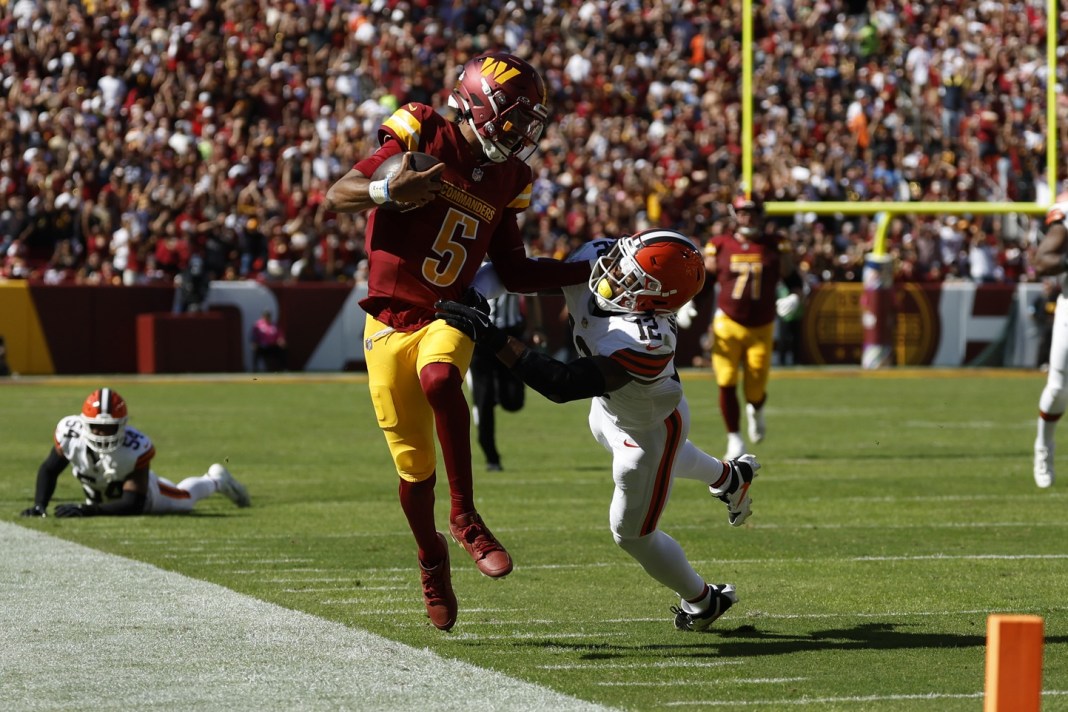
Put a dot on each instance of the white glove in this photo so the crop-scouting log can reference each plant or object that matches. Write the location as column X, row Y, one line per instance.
column 788, row 306
column 685, row 316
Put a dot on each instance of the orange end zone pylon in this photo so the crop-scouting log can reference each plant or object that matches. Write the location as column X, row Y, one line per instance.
column 1013, row 663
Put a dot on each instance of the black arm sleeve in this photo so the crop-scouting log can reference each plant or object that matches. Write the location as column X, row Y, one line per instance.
column 793, row 281
column 129, row 503
column 560, row 382
column 47, row 475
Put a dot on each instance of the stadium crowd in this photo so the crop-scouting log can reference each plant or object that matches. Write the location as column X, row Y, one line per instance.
column 134, row 134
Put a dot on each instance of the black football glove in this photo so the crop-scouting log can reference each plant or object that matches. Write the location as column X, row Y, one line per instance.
column 474, row 299
column 35, row 511
column 472, row 322
column 68, row 509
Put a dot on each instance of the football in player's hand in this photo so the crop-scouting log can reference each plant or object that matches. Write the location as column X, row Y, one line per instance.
column 417, row 161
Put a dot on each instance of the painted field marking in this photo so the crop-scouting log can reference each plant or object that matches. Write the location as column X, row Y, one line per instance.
column 70, row 616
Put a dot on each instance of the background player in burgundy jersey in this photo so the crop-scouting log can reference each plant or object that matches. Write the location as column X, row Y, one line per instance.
column 748, row 264
column 457, row 212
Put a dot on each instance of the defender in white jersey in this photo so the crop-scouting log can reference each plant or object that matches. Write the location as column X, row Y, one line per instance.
column 624, row 328
column 1052, row 259
column 112, row 462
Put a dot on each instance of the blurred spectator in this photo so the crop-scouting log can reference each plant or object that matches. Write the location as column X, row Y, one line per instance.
column 192, row 286
column 268, row 344
column 5, row 370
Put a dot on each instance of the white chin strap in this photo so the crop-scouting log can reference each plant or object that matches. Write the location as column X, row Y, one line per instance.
column 493, row 153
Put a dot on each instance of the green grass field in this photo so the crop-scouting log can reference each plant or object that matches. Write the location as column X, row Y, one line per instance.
column 893, row 514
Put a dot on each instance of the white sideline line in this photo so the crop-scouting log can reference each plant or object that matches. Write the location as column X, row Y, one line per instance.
column 954, row 557
column 70, row 617
column 756, row 525
column 667, row 664
column 805, row 701
column 846, row 615
column 707, row 683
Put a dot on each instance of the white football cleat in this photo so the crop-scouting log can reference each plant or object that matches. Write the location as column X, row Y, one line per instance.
column 1043, row 466
column 721, row 598
column 735, row 446
column 225, row 483
column 735, row 491
column 757, row 429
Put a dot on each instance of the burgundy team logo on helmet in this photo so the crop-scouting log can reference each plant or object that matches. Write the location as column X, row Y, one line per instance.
column 505, row 101
column 104, row 418
column 654, row 270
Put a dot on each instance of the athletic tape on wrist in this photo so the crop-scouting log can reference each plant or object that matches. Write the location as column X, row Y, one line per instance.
column 379, row 191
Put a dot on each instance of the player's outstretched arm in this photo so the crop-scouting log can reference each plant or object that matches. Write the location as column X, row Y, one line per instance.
column 560, row 382
column 47, row 475
column 1052, row 257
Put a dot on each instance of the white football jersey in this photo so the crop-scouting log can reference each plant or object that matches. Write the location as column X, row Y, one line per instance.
column 644, row 344
column 102, row 474
column 1058, row 213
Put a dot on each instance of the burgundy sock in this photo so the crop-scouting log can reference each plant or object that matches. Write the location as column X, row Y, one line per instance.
column 417, row 501
column 443, row 386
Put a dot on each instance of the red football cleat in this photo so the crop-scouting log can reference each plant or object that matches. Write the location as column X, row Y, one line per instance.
column 437, row 591
column 472, row 534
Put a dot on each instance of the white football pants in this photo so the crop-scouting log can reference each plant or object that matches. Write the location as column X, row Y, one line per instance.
column 644, row 464
column 165, row 497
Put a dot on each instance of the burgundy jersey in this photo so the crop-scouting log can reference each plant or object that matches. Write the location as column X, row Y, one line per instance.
column 747, row 273
column 420, row 256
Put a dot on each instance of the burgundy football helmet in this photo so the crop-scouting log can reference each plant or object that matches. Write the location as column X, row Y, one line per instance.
column 747, row 214
column 505, row 101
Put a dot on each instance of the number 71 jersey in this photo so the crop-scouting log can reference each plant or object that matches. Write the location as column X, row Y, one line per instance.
column 643, row 344
column 747, row 273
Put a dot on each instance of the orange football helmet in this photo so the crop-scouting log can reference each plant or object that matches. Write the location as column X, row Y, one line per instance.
column 103, row 419
column 654, row 270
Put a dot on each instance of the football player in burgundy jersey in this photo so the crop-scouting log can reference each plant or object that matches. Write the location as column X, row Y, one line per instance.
column 112, row 462
column 748, row 265
column 455, row 214
column 1052, row 259
column 623, row 323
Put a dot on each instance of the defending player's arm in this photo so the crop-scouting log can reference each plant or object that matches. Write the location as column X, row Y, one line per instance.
column 1052, row 258
column 47, row 476
column 560, row 382
column 132, row 501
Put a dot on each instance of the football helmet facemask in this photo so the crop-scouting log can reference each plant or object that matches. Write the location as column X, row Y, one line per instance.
column 652, row 271
column 505, row 101
column 753, row 212
column 104, row 411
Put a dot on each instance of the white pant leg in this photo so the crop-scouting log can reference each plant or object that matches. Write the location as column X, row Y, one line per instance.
column 165, row 497
column 1054, row 398
column 693, row 463
column 642, row 464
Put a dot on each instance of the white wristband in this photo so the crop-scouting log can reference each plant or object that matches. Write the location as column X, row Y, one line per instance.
column 379, row 191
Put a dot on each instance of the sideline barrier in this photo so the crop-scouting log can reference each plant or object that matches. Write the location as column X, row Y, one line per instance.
column 85, row 330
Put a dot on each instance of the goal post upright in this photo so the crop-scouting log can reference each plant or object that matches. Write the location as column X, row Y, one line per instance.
column 878, row 268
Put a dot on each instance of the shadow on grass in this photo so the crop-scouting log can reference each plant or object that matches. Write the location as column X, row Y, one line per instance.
column 748, row 640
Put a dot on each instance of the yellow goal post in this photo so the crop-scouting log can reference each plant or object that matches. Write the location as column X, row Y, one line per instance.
column 885, row 210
